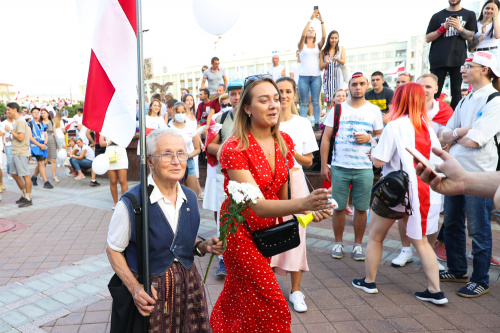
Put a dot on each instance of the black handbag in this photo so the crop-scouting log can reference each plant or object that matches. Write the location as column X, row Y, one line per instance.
column 279, row 238
column 125, row 318
column 393, row 189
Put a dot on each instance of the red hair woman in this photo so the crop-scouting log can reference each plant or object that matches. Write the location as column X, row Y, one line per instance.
column 409, row 127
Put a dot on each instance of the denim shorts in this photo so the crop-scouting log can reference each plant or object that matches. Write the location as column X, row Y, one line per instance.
column 362, row 182
column 190, row 169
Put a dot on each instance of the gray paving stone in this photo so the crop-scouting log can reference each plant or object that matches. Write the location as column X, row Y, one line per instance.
column 100, row 283
column 311, row 241
column 30, row 328
column 323, row 244
column 84, row 302
column 392, row 243
column 89, row 288
column 38, row 285
column 32, row 311
column 49, row 304
column 4, row 327
column 8, row 297
column 23, row 291
column 90, row 267
column 14, row 318
column 50, row 281
column 50, row 317
column 63, row 277
column 64, row 297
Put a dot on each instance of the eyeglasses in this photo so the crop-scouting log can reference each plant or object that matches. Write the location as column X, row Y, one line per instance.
column 468, row 66
column 169, row 157
column 225, row 105
column 253, row 78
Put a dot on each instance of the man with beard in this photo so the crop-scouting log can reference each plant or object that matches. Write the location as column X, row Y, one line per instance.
column 359, row 121
column 448, row 30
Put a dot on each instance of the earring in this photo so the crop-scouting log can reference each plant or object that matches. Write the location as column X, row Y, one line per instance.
column 249, row 115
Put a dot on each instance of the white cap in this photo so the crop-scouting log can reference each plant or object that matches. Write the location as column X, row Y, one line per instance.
column 485, row 59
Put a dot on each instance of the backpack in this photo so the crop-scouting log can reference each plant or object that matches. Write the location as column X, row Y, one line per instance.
column 336, row 121
column 393, row 189
column 222, row 120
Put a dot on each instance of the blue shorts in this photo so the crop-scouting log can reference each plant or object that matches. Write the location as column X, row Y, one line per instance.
column 190, row 169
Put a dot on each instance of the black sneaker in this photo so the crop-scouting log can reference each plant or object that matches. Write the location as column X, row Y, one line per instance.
column 94, row 183
column 370, row 288
column 447, row 276
column 436, row 298
column 21, row 199
column 34, row 181
column 473, row 289
column 316, row 128
column 47, row 185
column 25, row 203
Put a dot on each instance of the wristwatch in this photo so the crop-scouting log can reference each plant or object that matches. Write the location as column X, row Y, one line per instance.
column 455, row 134
column 197, row 251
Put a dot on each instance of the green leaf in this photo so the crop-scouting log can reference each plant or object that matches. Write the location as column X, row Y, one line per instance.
column 239, row 218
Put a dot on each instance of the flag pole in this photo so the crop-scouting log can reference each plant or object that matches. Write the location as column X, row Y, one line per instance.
column 143, row 153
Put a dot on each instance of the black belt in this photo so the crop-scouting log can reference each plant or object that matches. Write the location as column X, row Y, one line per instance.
column 487, row 48
column 112, row 144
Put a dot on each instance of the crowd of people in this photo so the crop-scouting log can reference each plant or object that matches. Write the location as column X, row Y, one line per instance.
column 256, row 131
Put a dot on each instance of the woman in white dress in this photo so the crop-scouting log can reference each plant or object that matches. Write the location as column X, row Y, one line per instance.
column 298, row 128
column 118, row 166
column 488, row 27
column 192, row 142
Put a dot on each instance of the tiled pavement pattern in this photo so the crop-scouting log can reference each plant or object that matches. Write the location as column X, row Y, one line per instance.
column 53, row 275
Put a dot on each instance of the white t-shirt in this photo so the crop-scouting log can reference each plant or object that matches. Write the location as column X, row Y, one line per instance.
column 487, row 40
column 7, row 137
column 347, row 153
column 155, row 122
column 275, row 71
column 188, row 132
column 295, row 69
column 310, row 61
column 484, row 120
column 89, row 153
column 302, row 134
column 119, row 226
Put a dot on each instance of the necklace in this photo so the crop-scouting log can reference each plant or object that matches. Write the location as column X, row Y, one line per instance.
column 261, row 146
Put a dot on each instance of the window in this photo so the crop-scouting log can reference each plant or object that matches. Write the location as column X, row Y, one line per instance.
column 374, row 55
column 232, row 72
column 388, row 54
column 251, row 70
column 412, row 66
column 363, row 67
column 400, row 53
column 352, row 69
column 413, row 54
column 261, row 69
column 362, row 57
column 351, row 58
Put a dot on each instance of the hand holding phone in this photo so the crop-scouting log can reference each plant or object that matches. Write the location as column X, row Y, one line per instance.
column 421, row 159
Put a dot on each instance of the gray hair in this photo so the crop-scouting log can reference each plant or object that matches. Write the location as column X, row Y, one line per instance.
column 154, row 136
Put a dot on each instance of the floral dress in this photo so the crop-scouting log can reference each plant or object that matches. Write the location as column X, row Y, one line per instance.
column 251, row 300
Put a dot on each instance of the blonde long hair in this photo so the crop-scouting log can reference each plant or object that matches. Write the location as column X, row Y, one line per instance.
column 242, row 122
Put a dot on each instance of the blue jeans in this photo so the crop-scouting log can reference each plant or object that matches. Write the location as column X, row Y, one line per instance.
column 80, row 164
column 312, row 84
column 479, row 230
column 8, row 152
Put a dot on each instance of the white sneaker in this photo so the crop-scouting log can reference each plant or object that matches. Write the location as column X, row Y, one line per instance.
column 337, row 251
column 9, row 177
column 441, row 267
column 297, row 299
column 402, row 259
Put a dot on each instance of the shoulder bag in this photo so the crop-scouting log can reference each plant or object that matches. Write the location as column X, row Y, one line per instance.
column 125, row 318
column 279, row 238
column 393, row 189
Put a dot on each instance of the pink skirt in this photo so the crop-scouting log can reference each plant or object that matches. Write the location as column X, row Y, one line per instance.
column 296, row 259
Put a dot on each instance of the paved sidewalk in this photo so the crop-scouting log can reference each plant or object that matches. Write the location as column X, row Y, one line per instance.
column 54, row 274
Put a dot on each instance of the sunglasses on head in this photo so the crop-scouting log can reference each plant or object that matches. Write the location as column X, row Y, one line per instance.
column 253, row 78
column 225, row 105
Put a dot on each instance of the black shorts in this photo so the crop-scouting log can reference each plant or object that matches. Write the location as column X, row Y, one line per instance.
column 381, row 209
column 39, row 158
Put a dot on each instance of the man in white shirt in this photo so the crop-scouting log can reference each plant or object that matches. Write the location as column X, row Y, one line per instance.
column 276, row 70
column 472, row 128
column 359, row 121
column 81, row 129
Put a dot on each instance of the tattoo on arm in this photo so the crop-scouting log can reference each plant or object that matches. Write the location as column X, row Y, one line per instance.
column 475, row 43
column 467, row 35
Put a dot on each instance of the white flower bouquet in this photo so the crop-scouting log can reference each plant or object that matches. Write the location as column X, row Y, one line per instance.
column 241, row 196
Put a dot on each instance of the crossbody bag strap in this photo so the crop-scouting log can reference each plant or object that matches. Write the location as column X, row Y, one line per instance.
column 138, row 231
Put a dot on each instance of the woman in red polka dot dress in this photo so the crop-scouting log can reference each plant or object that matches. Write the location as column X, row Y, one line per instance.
column 251, row 300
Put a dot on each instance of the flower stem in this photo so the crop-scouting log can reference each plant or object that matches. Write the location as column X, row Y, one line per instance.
column 208, row 267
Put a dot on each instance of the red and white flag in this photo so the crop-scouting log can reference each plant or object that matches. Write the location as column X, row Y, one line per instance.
column 110, row 107
column 396, row 70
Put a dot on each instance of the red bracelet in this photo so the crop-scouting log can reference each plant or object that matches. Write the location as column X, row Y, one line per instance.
column 441, row 30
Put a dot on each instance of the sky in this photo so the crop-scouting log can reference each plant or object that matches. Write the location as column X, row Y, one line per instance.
column 44, row 51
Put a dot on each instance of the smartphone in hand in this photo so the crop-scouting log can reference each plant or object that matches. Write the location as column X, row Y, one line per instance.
column 421, row 159
column 315, row 7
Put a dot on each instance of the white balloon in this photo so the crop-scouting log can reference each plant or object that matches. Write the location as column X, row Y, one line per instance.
column 100, row 165
column 216, row 16
column 62, row 154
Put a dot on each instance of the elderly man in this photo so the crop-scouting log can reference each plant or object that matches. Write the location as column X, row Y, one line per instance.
column 174, row 219
column 276, row 70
